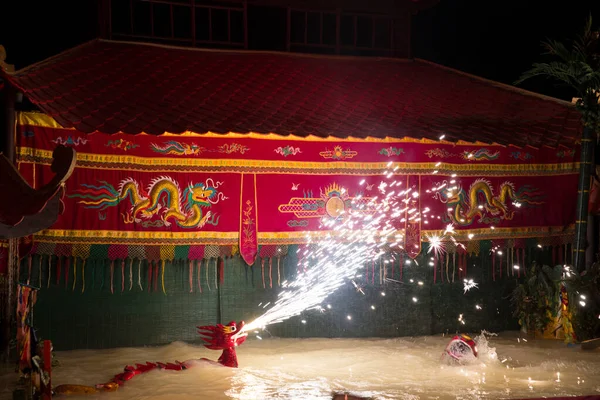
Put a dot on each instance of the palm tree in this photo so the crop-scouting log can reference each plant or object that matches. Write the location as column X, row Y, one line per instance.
column 578, row 66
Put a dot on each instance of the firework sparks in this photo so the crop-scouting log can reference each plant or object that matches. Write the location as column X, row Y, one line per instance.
column 469, row 284
column 436, row 245
column 355, row 239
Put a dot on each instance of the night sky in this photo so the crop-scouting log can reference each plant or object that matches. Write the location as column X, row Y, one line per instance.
column 491, row 38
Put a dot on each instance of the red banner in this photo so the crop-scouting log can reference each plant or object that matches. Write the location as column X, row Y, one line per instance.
column 231, row 189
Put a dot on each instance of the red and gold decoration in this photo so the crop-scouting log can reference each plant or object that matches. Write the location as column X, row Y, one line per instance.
column 252, row 190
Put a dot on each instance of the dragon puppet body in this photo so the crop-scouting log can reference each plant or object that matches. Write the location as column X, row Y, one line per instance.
column 217, row 337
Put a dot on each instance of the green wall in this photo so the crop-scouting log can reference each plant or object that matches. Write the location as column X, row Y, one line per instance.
column 95, row 318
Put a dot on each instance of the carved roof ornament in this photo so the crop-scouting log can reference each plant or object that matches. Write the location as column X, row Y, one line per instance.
column 25, row 210
column 8, row 68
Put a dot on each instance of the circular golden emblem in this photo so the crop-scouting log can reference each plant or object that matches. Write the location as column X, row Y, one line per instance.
column 334, row 207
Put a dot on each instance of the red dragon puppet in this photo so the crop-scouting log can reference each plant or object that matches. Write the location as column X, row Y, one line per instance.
column 217, row 337
column 460, row 349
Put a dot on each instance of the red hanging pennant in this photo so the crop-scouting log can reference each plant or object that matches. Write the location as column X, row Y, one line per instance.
column 248, row 219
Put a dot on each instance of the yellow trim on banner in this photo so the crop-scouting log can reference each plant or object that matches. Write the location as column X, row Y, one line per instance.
column 45, row 121
column 184, row 238
column 167, row 164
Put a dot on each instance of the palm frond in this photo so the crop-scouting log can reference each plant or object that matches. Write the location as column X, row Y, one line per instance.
column 577, row 66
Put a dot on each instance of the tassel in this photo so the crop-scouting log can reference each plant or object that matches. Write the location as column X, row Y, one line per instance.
column 441, row 267
column 207, row 280
column 507, row 262
column 150, row 265
column 29, row 260
column 381, row 269
column 500, row 268
column 262, row 268
column 271, row 272
column 278, row 272
column 198, row 264
column 519, row 262
column 401, row 266
column 112, row 276
column 163, row 277
column 222, row 271
column 67, row 269
column 130, row 274
column 122, row 276
column 155, row 278
column 435, row 261
column 373, row 272
column 140, row 274
column 49, row 269
column 94, row 275
column 216, row 273
column 385, row 272
column 494, row 266
column 393, row 259
column 447, row 262
column 453, row 265
column 83, row 275
column 40, row 273
column 191, row 275
column 74, row 273
column 58, row 269
column 102, row 273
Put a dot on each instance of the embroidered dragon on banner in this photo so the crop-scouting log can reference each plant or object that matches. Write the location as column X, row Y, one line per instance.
column 163, row 197
column 480, row 201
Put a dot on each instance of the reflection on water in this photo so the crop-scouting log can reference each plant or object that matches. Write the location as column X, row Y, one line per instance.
column 314, row 368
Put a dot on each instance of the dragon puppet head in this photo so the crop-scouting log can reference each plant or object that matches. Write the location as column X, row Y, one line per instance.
column 224, row 337
column 461, row 349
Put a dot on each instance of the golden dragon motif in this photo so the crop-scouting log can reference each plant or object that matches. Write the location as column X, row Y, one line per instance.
column 163, row 198
column 481, row 203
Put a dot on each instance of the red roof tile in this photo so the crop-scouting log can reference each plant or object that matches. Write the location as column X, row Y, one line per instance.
column 132, row 88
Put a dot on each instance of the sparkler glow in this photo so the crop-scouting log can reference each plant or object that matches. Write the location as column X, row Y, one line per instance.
column 341, row 253
column 357, row 236
column 469, row 284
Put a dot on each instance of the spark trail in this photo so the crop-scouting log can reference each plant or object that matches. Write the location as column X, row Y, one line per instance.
column 355, row 239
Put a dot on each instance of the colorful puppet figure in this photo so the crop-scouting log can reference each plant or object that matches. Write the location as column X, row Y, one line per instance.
column 217, row 337
column 460, row 349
